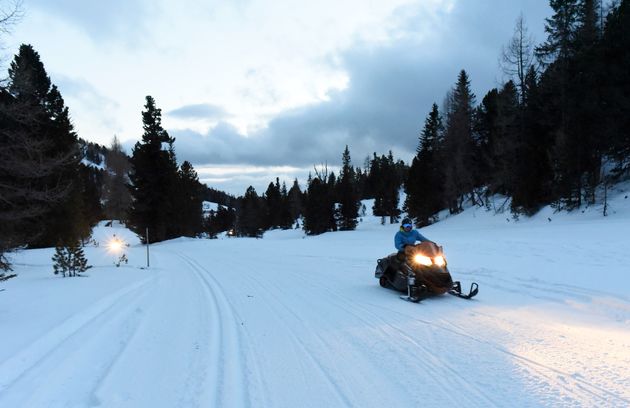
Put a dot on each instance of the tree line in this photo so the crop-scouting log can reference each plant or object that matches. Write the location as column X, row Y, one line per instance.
column 329, row 202
column 555, row 133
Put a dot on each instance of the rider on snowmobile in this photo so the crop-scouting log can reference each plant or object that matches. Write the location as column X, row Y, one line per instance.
column 407, row 235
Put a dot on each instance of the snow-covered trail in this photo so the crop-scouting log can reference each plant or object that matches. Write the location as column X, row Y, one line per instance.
column 291, row 321
column 318, row 328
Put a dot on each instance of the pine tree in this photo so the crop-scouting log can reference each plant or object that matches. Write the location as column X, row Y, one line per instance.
column 78, row 262
column 116, row 194
column 460, row 166
column 347, row 194
column 68, row 220
column 69, row 260
column 154, row 179
column 319, row 207
column 384, row 181
column 250, row 219
column 561, row 31
column 39, row 162
column 61, row 261
column 189, row 201
column 423, row 185
column 532, row 169
column 615, row 84
column 498, row 129
column 286, row 219
column 295, row 198
column 273, row 198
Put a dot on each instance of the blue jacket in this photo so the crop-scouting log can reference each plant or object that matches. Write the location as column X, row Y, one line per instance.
column 403, row 238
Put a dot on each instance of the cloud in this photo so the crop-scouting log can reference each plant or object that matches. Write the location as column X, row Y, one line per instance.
column 84, row 99
column 83, row 90
column 102, row 20
column 390, row 92
column 199, row 111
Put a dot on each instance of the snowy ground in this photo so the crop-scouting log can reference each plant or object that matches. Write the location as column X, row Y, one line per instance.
column 294, row 321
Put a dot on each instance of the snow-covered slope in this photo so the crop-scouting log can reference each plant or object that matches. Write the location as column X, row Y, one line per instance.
column 295, row 321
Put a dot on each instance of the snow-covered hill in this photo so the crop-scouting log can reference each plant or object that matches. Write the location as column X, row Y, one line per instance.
column 295, row 321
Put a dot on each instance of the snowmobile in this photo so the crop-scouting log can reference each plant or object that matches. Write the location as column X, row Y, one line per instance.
column 420, row 271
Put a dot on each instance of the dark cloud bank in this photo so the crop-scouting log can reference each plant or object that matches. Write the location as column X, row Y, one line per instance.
column 389, row 94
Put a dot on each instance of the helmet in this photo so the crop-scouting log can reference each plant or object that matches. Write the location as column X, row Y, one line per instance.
column 407, row 223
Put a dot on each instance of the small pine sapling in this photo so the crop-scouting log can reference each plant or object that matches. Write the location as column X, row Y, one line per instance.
column 69, row 260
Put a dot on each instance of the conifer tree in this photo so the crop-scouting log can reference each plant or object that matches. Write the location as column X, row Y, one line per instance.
column 250, row 220
column 222, row 220
column 532, row 169
column 39, row 162
column 286, row 219
column 347, row 194
column 614, row 80
column 319, row 211
column 384, row 181
column 423, row 186
column 295, row 199
column 189, row 201
column 460, row 165
column 69, row 260
column 498, row 131
column 273, row 198
column 154, row 179
column 116, row 194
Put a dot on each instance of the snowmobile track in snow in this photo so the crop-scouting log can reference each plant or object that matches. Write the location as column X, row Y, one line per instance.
column 576, row 388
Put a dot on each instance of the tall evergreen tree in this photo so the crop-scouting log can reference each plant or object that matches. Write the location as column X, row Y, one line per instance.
column 423, row 186
column 319, row 211
column 347, row 194
column 295, row 199
column 459, row 146
column 498, row 121
column 68, row 220
column 250, row 221
column 285, row 217
column 561, row 32
column 614, row 81
column 116, row 195
column 274, row 205
column 384, row 180
column 39, row 163
column 190, row 201
column 532, row 169
column 153, row 179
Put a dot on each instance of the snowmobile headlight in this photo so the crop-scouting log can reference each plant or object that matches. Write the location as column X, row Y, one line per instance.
column 422, row 260
column 439, row 260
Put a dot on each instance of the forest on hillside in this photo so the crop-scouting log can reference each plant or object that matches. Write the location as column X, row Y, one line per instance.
column 557, row 132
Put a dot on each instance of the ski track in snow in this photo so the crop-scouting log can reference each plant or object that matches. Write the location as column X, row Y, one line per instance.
column 55, row 355
column 227, row 381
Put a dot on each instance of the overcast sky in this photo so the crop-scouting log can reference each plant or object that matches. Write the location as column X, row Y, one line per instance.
column 255, row 89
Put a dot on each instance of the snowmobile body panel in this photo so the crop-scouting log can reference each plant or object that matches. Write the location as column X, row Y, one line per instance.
column 393, row 270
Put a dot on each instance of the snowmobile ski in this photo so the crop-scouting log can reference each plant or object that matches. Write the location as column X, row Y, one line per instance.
column 416, row 294
column 456, row 290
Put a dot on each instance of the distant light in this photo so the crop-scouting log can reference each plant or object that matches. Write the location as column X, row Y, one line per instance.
column 115, row 245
